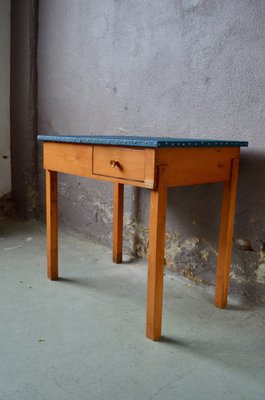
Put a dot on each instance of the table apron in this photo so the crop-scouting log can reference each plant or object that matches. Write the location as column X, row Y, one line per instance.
column 138, row 167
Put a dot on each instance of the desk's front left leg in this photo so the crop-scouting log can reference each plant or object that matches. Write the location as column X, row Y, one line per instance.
column 158, row 200
column 52, row 224
column 117, row 237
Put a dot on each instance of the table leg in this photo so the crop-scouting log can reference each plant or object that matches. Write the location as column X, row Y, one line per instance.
column 52, row 224
column 117, row 222
column 226, row 236
column 157, row 224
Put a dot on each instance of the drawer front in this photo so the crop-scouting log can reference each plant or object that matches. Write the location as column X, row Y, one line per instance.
column 117, row 162
column 69, row 158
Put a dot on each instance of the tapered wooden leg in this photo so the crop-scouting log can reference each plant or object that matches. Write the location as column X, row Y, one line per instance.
column 226, row 237
column 52, row 224
column 117, row 222
column 157, row 223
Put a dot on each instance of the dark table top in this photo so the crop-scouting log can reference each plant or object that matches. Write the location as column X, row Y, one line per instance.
column 141, row 141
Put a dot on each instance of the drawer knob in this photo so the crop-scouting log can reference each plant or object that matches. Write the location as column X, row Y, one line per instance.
column 114, row 163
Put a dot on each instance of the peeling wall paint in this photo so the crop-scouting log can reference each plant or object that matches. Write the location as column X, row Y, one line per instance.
column 260, row 273
column 183, row 68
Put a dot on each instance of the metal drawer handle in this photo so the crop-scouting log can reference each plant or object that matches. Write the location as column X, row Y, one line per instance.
column 114, row 163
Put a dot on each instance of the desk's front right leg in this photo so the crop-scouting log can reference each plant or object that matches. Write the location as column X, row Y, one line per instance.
column 226, row 236
column 158, row 200
column 52, row 224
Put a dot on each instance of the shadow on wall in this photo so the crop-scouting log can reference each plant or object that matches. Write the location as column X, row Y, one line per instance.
column 248, row 269
column 193, row 216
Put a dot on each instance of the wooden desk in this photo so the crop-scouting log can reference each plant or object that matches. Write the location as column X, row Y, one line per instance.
column 156, row 164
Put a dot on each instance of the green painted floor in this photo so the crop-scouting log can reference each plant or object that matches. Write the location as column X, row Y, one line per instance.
column 83, row 337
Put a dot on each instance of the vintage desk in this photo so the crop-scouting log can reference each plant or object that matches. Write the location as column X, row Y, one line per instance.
column 154, row 163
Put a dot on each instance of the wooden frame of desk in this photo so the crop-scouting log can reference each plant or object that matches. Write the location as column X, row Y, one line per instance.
column 155, row 169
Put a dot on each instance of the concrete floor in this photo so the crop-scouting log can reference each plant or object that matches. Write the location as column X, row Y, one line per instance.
column 83, row 337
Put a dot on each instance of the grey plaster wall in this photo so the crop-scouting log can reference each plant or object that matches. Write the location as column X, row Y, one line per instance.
column 190, row 68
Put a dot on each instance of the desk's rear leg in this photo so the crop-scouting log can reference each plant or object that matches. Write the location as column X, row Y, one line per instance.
column 117, row 222
column 52, row 224
column 226, row 236
column 158, row 200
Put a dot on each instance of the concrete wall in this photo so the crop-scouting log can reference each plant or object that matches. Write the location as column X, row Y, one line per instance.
column 5, row 168
column 190, row 68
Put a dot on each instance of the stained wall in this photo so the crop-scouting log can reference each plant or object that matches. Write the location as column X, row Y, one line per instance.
column 5, row 163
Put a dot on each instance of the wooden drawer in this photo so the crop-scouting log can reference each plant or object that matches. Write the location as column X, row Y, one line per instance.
column 117, row 162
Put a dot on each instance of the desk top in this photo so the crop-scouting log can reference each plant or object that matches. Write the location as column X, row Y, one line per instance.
column 141, row 141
